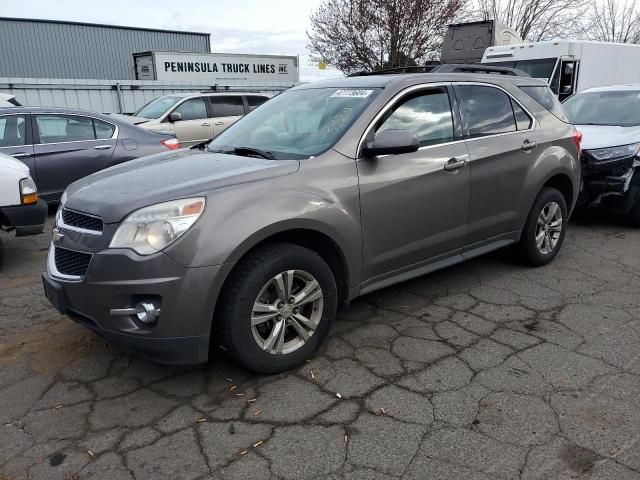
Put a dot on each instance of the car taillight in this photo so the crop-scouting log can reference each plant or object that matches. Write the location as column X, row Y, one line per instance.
column 577, row 137
column 171, row 143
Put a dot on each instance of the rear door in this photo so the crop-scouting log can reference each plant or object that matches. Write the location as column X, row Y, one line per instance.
column 502, row 141
column 15, row 139
column 196, row 125
column 226, row 109
column 69, row 147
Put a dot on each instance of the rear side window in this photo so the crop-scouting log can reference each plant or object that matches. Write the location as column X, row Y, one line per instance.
column 104, row 130
column 227, row 106
column 545, row 97
column 487, row 110
column 523, row 121
column 12, row 130
column 427, row 114
column 254, row 102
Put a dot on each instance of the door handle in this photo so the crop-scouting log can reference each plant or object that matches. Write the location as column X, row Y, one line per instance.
column 205, row 124
column 21, row 155
column 454, row 164
column 219, row 123
column 102, row 147
column 527, row 145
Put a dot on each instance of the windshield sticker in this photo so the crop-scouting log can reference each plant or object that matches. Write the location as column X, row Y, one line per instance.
column 352, row 93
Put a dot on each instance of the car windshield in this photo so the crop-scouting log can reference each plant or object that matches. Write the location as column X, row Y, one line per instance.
column 538, row 68
column 296, row 124
column 621, row 108
column 156, row 108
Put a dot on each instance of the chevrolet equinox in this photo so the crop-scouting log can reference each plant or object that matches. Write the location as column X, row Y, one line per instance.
column 329, row 191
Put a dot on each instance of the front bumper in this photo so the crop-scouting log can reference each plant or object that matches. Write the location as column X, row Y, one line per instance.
column 119, row 279
column 26, row 219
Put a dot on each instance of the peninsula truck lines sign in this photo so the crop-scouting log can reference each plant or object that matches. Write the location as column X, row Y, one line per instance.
column 212, row 68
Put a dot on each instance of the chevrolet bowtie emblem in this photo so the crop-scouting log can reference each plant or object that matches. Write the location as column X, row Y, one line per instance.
column 56, row 236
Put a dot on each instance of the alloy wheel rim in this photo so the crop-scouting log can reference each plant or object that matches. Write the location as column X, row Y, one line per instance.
column 287, row 312
column 549, row 228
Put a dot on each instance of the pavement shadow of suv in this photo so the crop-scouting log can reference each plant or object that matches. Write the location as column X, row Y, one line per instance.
column 329, row 191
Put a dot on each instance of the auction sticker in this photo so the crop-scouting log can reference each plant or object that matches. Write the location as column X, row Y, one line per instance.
column 352, row 93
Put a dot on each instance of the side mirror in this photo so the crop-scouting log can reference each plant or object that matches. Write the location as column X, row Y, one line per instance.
column 175, row 117
column 391, row 142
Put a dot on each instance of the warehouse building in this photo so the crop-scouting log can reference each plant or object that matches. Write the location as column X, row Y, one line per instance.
column 54, row 49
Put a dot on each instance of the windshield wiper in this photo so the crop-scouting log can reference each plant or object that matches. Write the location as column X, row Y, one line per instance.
column 249, row 152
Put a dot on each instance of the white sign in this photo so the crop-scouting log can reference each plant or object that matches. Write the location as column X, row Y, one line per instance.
column 352, row 93
column 218, row 67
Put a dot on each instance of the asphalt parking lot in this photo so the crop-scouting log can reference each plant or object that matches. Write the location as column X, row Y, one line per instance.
column 485, row 370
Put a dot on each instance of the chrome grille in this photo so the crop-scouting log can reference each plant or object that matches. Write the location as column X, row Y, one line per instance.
column 69, row 262
column 81, row 220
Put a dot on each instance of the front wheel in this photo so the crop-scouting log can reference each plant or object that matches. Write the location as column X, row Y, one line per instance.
column 276, row 308
column 545, row 228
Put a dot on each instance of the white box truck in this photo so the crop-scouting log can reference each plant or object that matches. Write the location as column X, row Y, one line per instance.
column 216, row 68
column 570, row 66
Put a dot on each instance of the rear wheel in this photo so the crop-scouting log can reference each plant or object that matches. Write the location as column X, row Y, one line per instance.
column 276, row 308
column 545, row 228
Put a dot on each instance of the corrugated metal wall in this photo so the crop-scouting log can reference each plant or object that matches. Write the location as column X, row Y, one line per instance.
column 43, row 49
column 109, row 96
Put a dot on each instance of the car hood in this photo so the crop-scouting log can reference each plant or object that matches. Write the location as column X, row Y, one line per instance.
column 602, row 136
column 117, row 191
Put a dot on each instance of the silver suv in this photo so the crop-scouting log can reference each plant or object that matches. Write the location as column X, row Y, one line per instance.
column 195, row 117
column 328, row 191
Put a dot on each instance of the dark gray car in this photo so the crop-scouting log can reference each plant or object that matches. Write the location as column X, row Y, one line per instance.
column 328, row 191
column 61, row 145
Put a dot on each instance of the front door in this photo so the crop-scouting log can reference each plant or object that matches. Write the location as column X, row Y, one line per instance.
column 70, row 147
column 15, row 139
column 226, row 109
column 195, row 126
column 503, row 147
column 414, row 205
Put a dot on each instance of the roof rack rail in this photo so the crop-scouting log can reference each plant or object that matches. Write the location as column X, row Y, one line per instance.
column 447, row 68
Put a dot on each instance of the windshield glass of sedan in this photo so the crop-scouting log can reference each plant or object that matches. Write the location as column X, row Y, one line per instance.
column 297, row 124
column 620, row 108
column 156, row 108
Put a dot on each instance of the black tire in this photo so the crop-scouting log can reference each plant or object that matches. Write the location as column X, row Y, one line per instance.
column 232, row 322
column 527, row 248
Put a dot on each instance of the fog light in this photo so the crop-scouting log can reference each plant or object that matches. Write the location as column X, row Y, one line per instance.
column 147, row 312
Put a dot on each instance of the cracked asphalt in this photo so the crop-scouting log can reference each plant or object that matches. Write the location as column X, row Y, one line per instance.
column 485, row 370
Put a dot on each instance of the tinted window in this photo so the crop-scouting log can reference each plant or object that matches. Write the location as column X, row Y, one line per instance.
column 539, row 68
column 227, row 106
column 255, row 102
column 548, row 100
column 192, row 109
column 64, row 128
column 104, row 130
column 486, row 110
column 12, row 130
column 523, row 121
column 428, row 114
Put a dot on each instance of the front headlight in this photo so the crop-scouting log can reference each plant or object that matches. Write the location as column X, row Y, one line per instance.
column 153, row 228
column 28, row 191
column 614, row 153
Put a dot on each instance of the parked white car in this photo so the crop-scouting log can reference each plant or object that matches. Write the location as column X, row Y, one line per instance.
column 21, row 209
column 609, row 119
column 195, row 117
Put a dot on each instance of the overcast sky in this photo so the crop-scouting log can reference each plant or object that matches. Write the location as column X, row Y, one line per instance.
column 243, row 26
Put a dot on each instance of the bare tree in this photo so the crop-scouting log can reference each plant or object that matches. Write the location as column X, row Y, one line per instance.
column 535, row 20
column 614, row 21
column 354, row 35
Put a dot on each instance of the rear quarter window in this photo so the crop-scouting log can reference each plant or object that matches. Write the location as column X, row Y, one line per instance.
column 545, row 97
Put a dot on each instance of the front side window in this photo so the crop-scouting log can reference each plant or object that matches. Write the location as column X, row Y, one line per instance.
column 64, row 128
column 193, row 109
column 427, row 114
column 12, row 130
column 227, row 106
column 486, row 110
column 297, row 124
